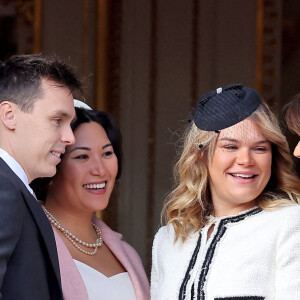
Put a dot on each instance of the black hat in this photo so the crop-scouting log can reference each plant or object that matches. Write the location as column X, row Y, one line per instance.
column 224, row 107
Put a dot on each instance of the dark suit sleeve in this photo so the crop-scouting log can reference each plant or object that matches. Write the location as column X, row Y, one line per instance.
column 11, row 219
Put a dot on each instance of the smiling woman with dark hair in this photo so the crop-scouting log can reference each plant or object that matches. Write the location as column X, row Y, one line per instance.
column 292, row 117
column 94, row 260
column 232, row 222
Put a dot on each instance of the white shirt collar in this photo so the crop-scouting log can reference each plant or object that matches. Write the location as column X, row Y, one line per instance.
column 16, row 168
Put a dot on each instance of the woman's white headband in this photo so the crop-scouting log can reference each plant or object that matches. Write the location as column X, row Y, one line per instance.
column 80, row 104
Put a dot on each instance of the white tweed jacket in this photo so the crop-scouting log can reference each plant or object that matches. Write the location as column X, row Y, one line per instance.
column 254, row 255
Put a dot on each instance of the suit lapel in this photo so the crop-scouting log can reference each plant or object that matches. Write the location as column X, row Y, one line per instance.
column 45, row 229
column 38, row 215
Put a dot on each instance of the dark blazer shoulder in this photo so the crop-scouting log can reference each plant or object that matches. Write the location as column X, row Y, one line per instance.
column 28, row 256
column 11, row 182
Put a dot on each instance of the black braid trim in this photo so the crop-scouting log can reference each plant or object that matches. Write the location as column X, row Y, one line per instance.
column 182, row 291
column 210, row 252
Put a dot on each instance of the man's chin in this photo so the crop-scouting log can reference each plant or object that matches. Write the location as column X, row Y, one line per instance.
column 50, row 172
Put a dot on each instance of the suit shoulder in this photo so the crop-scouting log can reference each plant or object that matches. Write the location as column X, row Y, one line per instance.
column 8, row 188
column 7, row 183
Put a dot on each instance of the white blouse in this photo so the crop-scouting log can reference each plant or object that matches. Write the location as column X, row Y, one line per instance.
column 99, row 286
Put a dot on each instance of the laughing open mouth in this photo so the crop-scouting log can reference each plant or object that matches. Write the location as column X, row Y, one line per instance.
column 243, row 176
column 56, row 154
column 94, row 186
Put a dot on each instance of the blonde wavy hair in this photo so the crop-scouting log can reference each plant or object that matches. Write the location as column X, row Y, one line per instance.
column 189, row 203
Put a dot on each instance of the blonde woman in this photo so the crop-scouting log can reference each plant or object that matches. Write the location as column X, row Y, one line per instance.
column 232, row 222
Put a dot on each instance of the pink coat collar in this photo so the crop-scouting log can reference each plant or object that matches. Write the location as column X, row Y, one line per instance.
column 72, row 283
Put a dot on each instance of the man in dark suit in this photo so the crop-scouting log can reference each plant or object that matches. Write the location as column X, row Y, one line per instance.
column 36, row 109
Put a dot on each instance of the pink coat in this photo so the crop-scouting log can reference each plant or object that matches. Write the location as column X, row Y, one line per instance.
column 72, row 284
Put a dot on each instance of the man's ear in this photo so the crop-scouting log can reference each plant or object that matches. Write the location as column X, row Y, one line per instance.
column 7, row 114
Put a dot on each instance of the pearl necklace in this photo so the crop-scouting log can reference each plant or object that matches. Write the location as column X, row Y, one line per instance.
column 76, row 242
